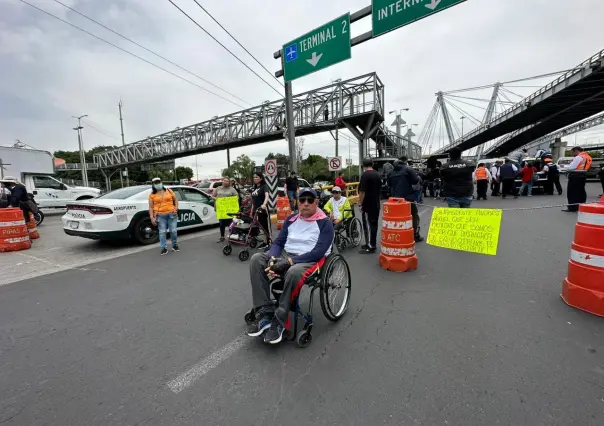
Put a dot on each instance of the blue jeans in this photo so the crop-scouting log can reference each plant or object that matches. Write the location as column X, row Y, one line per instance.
column 167, row 222
column 528, row 186
column 459, row 202
column 292, row 196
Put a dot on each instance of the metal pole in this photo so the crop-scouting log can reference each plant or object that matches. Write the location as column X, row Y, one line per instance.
column 196, row 169
column 291, row 126
column 337, row 136
column 123, row 144
column 83, row 156
column 228, row 158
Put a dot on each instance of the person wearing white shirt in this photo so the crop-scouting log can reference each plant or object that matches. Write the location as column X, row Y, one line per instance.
column 495, row 182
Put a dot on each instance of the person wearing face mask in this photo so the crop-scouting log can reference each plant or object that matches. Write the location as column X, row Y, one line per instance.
column 163, row 211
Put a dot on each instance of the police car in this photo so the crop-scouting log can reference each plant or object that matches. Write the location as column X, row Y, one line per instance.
column 124, row 214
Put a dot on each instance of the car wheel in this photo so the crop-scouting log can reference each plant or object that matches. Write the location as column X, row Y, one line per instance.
column 144, row 232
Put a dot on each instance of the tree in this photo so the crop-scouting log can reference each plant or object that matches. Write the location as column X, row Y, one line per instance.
column 315, row 167
column 183, row 172
column 299, row 150
column 282, row 159
column 241, row 169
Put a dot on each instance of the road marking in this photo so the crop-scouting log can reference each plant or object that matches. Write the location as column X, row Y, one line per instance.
column 212, row 361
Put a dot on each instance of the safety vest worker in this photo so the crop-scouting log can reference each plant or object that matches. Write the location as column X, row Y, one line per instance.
column 481, row 174
column 585, row 164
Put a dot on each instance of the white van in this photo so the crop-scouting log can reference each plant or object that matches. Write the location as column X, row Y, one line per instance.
column 34, row 168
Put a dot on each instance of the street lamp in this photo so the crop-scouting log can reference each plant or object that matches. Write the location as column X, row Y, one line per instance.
column 81, row 147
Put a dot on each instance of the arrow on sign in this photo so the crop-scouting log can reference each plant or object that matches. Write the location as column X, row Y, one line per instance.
column 315, row 58
column 433, row 5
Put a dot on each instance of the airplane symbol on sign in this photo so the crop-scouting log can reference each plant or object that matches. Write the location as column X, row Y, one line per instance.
column 291, row 53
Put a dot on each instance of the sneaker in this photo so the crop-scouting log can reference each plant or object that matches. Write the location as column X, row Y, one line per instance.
column 364, row 247
column 256, row 328
column 163, row 251
column 262, row 245
column 220, row 240
column 530, row 195
column 418, row 238
column 274, row 334
column 175, row 247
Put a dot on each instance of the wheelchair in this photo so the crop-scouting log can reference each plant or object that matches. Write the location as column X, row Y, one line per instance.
column 348, row 233
column 331, row 276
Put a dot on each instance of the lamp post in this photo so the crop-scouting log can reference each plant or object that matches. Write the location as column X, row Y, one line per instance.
column 462, row 119
column 398, row 122
column 81, row 148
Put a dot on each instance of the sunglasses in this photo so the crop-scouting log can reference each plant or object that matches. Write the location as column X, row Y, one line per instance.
column 308, row 200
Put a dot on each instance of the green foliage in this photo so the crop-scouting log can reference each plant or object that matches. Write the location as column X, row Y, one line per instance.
column 241, row 169
column 315, row 167
column 183, row 172
column 282, row 159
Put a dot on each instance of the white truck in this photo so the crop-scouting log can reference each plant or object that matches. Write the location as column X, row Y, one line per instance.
column 34, row 169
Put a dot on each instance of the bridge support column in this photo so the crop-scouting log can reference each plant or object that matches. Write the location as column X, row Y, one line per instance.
column 228, row 158
column 558, row 148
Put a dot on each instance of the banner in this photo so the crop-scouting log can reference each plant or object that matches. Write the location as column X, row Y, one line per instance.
column 473, row 230
column 226, row 205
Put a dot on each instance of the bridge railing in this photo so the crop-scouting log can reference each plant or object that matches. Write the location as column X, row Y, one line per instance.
column 323, row 106
column 76, row 166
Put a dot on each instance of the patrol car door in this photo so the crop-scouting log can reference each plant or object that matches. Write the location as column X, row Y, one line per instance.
column 50, row 192
column 201, row 204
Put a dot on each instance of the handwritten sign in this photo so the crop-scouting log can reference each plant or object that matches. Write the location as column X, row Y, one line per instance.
column 226, row 205
column 473, row 230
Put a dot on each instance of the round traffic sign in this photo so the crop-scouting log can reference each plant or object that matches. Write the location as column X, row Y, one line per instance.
column 335, row 163
column 270, row 168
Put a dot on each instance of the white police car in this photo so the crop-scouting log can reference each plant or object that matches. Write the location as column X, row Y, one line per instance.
column 124, row 214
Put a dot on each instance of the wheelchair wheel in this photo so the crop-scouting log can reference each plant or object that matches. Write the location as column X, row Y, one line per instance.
column 227, row 250
column 253, row 242
column 335, row 287
column 244, row 255
column 249, row 317
column 304, row 338
column 341, row 244
column 354, row 231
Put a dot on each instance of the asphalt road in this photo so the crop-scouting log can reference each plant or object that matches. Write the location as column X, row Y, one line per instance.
column 464, row 340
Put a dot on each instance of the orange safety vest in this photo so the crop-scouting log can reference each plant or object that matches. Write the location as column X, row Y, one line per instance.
column 481, row 174
column 586, row 163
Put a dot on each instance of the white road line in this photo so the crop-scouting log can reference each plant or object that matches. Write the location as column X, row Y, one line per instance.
column 212, row 361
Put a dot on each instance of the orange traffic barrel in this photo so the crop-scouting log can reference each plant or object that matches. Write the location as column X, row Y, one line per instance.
column 583, row 287
column 283, row 210
column 32, row 229
column 398, row 244
column 13, row 231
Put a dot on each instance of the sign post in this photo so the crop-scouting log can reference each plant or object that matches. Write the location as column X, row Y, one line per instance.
column 388, row 15
column 317, row 49
column 271, row 179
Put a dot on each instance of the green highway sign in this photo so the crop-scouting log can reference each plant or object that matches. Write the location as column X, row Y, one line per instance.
column 317, row 49
column 388, row 15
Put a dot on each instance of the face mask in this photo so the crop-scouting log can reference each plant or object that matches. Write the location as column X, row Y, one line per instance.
column 158, row 186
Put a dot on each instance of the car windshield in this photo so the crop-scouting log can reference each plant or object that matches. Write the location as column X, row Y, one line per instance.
column 124, row 193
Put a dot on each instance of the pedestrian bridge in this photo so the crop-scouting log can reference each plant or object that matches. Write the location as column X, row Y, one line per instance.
column 574, row 96
column 356, row 104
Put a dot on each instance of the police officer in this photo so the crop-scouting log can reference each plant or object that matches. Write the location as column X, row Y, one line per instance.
column 577, row 176
column 18, row 195
column 507, row 177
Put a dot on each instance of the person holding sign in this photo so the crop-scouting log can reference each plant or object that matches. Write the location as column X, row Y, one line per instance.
column 226, row 190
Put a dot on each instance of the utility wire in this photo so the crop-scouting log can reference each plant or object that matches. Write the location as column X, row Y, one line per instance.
column 223, row 46
column 100, row 131
column 130, row 53
column 152, row 52
column 237, row 41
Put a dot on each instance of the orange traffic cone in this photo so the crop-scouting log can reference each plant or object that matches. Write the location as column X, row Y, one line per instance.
column 31, row 227
column 583, row 287
column 13, row 232
column 398, row 243
column 283, row 210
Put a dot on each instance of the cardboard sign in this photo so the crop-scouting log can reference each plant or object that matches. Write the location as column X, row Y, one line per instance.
column 226, row 205
column 473, row 230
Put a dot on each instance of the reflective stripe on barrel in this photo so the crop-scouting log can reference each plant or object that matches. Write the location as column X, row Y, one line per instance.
column 398, row 251
column 591, row 218
column 587, row 259
column 397, row 224
column 12, row 223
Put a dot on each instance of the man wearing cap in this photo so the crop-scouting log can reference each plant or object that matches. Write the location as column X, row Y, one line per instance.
column 18, row 195
column 305, row 239
column 338, row 207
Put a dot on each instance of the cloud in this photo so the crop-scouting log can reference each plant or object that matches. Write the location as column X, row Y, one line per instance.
column 52, row 71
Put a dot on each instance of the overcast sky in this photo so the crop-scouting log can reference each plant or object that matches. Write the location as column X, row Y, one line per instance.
column 50, row 71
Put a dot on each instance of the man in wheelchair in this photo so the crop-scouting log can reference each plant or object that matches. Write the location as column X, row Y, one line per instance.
column 305, row 239
column 339, row 208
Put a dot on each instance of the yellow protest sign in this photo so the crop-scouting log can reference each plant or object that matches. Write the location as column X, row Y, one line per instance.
column 473, row 230
column 226, row 205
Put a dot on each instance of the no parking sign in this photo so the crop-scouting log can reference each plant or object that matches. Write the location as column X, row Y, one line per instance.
column 335, row 163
